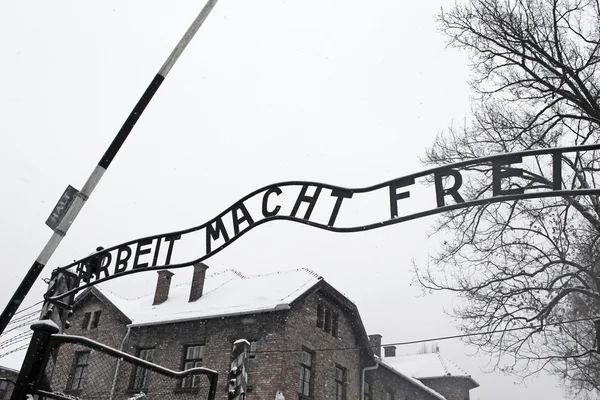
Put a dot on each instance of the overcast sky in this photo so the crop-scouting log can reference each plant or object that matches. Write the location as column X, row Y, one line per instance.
column 349, row 93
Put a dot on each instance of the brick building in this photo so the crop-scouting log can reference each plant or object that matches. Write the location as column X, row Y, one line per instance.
column 433, row 370
column 8, row 377
column 307, row 342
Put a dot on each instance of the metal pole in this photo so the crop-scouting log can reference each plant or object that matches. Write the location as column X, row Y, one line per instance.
column 98, row 172
column 34, row 363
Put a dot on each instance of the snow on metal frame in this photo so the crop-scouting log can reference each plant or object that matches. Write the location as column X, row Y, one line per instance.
column 329, row 212
column 61, row 338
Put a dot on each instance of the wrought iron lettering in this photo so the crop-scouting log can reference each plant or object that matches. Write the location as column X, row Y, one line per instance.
column 391, row 202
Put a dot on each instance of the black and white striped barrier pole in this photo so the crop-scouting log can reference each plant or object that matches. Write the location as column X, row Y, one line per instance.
column 72, row 200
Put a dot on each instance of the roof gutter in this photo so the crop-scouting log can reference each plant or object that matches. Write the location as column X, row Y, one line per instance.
column 362, row 389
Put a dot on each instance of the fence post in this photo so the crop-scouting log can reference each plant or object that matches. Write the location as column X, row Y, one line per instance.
column 214, row 379
column 34, row 363
column 238, row 371
column 59, row 311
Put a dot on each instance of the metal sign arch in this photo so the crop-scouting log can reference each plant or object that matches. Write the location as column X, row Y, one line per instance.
column 156, row 252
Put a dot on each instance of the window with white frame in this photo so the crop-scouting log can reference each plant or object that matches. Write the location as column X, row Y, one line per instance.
column 79, row 370
column 306, row 376
column 140, row 376
column 340, row 383
column 368, row 389
column 91, row 320
column 192, row 357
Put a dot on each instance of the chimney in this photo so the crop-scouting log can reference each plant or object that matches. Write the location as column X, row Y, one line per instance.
column 375, row 344
column 389, row 351
column 163, row 285
column 198, row 281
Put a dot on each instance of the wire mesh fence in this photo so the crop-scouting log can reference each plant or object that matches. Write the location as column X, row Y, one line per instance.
column 81, row 371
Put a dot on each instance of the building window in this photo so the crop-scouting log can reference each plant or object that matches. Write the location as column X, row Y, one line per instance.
column 140, row 376
column 334, row 325
column 86, row 320
column 306, row 367
column 91, row 320
column 340, row 383
column 251, row 366
column 368, row 390
column 80, row 365
column 192, row 357
column 389, row 395
column 4, row 389
column 320, row 316
column 95, row 319
column 327, row 320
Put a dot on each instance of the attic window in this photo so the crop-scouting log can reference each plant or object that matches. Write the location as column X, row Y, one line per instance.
column 91, row 320
column 86, row 320
column 334, row 325
column 327, row 320
column 320, row 313
column 95, row 319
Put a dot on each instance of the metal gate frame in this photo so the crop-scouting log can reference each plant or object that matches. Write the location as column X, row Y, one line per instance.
column 46, row 338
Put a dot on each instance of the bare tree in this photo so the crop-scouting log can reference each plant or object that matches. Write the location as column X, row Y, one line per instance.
column 575, row 345
column 522, row 263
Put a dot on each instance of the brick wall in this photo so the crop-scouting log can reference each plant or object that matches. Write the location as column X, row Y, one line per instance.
column 275, row 370
column 110, row 331
column 452, row 388
column 111, row 328
column 301, row 331
column 217, row 335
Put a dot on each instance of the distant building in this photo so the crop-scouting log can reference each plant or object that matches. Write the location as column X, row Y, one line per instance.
column 435, row 371
column 307, row 342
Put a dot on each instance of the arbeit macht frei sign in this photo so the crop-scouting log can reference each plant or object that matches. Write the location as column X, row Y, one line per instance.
column 339, row 209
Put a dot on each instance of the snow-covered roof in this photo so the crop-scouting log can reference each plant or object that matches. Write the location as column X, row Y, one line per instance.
column 225, row 293
column 429, row 365
column 411, row 379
